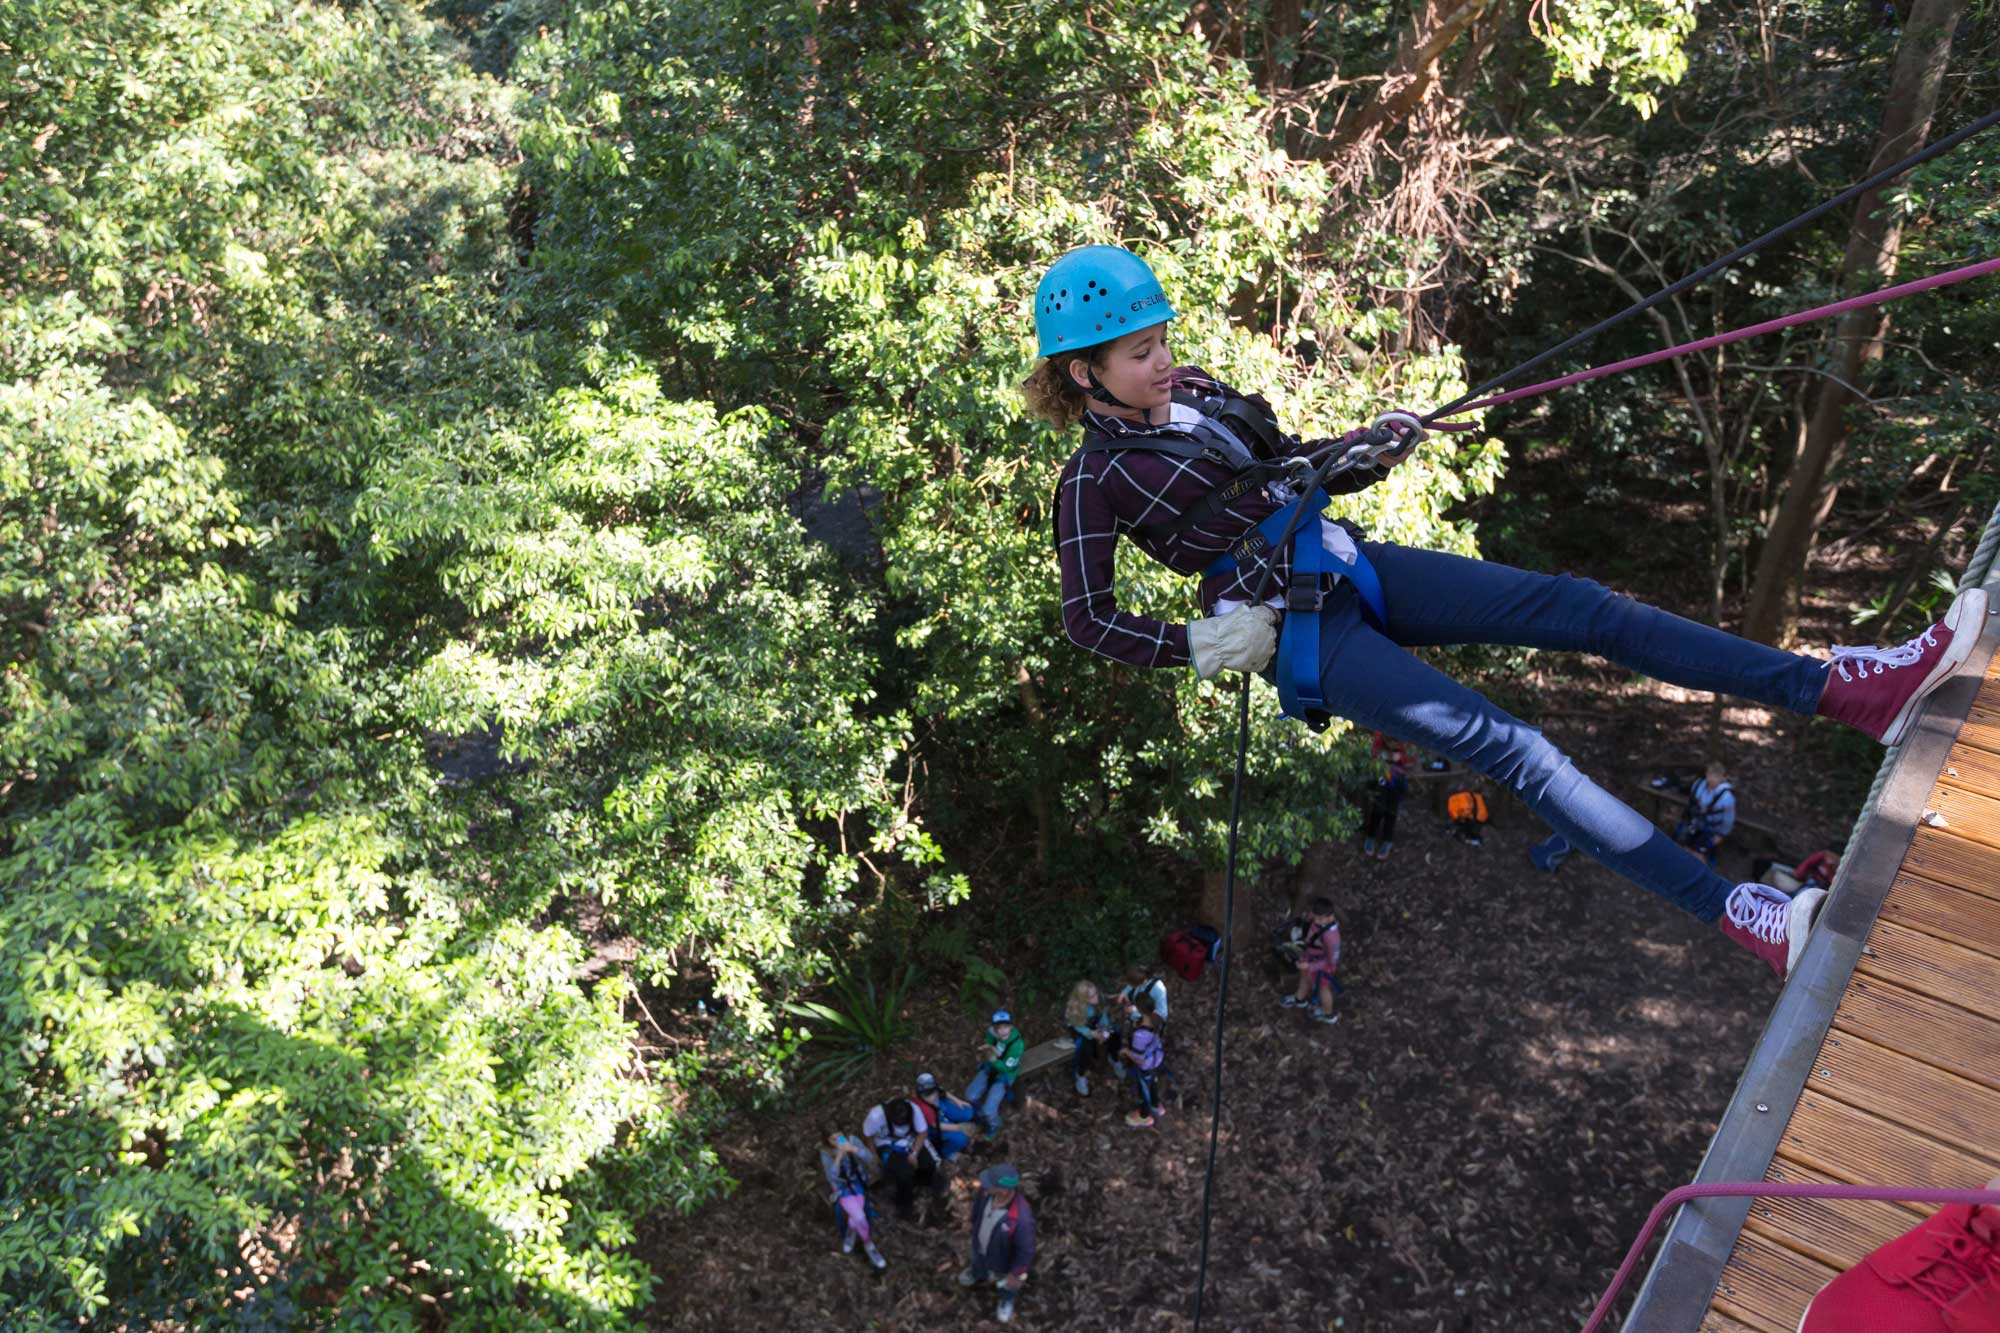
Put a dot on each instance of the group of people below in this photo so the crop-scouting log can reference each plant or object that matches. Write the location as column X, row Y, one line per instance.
column 907, row 1140
column 1002, row 1242
column 1128, row 1032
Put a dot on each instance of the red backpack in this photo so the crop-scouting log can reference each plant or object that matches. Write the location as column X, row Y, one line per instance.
column 1185, row 953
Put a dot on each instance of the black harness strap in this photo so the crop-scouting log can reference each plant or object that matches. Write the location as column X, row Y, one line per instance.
column 1233, row 419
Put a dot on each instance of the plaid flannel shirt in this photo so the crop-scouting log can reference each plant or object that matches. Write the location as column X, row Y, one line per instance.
column 1104, row 494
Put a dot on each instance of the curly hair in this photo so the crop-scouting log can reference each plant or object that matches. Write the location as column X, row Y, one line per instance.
column 1052, row 394
column 1081, row 997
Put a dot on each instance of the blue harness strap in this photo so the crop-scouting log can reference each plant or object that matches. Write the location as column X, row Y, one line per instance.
column 1297, row 662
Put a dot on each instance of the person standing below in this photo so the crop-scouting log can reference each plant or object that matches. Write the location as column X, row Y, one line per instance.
column 939, row 1110
column 1142, row 994
column 1319, row 959
column 1392, row 784
column 900, row 1133
column 1003, row 1237
column 1089, row 1027
column 1710, row 815
column 1001, row 1061
column 849, row 1168
column 1142, row 1056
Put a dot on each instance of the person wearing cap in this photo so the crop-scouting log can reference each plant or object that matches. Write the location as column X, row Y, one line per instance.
column 1003, row 1237
column 1000, row 1061
column 939, row 1110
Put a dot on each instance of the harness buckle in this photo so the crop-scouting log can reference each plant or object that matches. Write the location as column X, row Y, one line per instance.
column 1303, row 593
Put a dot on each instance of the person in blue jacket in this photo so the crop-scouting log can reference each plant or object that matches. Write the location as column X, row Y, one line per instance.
column 941, row 1110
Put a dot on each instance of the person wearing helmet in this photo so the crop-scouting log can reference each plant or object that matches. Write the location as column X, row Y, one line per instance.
column 1197, row 476
column 1000, row 1061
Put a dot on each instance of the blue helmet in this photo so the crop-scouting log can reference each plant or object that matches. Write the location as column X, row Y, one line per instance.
column 1093, row 294
column 1002, row 1016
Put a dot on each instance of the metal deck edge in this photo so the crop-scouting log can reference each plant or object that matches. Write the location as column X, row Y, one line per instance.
column 1680, row 1285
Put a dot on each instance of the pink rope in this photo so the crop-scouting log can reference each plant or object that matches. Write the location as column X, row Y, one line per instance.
column 1772, row 1190
column 1961, row 274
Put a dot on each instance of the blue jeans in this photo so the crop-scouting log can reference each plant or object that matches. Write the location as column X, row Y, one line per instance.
column 1437, row 599
column 985, row 1093
column 952, row 1142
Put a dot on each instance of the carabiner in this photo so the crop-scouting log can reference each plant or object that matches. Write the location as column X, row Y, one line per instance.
column 1413, row 428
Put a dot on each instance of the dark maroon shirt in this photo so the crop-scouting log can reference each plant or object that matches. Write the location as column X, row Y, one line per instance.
column 1105, row 494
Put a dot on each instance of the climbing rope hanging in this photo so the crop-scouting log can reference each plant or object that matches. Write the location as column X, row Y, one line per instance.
column 1395, row 434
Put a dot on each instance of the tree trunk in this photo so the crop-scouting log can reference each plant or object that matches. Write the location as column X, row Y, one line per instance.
column 1814, row 480
column 1434, row 27
column 1281, row 52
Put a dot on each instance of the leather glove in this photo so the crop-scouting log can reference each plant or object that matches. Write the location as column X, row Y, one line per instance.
column 1243, row 640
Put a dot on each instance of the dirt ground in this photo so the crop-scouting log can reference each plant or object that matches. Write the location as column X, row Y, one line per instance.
column 1524, row 1063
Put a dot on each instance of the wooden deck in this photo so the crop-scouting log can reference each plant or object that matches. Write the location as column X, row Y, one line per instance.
column 1906, row 1088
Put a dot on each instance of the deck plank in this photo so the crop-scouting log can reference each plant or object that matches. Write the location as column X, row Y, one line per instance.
column 1913, row 1094
column 1766, row 1285
column 1972, row 768
column 1837, row 1232
column 1941, row 1034
column 1967, row 814
column 1951, row 914
column 1982, row 730
column 1716, row 1322
column 1846, row 1143
column 1931, row 966
column 1988, row 697
column 1943, row 857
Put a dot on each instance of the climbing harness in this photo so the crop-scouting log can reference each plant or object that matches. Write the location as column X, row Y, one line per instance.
column 1297, row 665
column 1339, row 459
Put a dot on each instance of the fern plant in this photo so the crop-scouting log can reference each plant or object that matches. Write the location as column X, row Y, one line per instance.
column 867, row 1023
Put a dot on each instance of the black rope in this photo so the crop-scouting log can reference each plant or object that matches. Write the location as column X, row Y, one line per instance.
column 1222, row 996
column 1331, row 467
column 1918, row 158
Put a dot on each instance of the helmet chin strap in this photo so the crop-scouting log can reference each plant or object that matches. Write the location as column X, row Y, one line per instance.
column 1102, row 394
column 1098, row 390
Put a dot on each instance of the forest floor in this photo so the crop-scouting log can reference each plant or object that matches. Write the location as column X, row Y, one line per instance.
column 1524, row 1063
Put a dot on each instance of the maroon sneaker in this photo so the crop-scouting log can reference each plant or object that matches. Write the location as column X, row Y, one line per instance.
column 1771, row 925
column 1877, row 690
column 1941, row 1276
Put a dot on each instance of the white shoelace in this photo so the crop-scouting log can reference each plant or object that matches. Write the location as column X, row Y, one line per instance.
column 1765, row 917
column 1883, row 659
